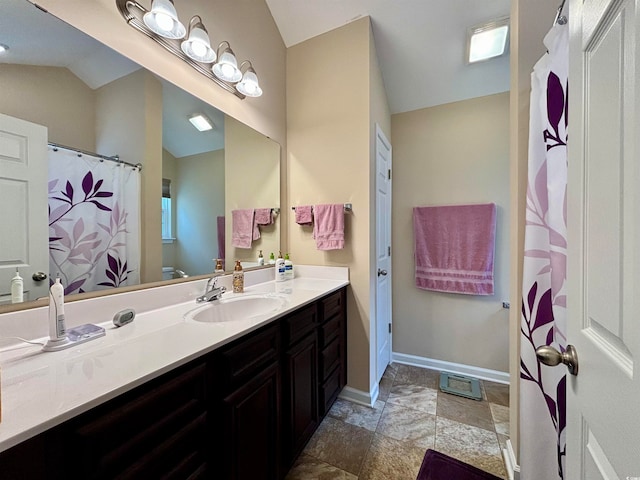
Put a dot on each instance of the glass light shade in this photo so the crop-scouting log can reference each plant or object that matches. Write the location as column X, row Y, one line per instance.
column 227, row 67
column 163, row 20
column 488, row 43
column 249, row 84
column 3, row 48
column 198, row 47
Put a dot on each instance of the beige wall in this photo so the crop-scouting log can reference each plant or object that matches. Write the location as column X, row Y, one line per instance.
column 53, row 97
column 252, row 180
column 129, row 123
column 530, row 21
column 329, row 160
column 456, row 153
column 199, row 199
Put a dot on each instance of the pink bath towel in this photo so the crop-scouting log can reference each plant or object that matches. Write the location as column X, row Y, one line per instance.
column 328, row 226
column 242, row 228
column 304, row 215
column 454, row 248
column 221, row 236
column 262, row 216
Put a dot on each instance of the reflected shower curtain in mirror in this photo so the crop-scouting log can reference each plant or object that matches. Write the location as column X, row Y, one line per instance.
column 94, row 241
column 543, row 317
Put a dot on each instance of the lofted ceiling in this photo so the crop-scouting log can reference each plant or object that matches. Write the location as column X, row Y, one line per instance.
column 420, row 44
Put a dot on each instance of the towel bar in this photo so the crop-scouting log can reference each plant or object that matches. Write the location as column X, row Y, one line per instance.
column 348, row 208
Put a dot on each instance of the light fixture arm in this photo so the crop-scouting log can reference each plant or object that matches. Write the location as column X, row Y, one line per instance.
column 133, row 13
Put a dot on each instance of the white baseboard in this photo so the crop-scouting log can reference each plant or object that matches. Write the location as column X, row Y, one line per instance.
column 513, row 469
column 358, row 396
column 459, row 368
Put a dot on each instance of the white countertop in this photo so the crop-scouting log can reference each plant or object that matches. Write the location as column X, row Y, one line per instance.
column 43, row 389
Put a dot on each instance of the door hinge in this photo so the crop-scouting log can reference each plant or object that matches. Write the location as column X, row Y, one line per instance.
column 389, row 173
column 389, row 251
column 389, row 328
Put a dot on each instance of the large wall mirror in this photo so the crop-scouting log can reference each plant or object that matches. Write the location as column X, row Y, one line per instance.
column 160, row 210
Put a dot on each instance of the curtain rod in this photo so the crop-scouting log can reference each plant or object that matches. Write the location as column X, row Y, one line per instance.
column 114, row 158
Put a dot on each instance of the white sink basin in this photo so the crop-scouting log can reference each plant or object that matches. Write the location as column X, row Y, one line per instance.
column 238, row 307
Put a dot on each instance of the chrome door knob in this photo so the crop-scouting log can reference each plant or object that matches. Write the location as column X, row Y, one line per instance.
column 552, row 357
column 382, row 272
column 39, row 276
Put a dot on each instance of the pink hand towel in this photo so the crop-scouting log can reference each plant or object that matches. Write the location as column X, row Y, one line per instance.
column 304, row 215
column 242, row 228
column 262, row 216
column 454, row 248
column 328, row 226
column 221, row 236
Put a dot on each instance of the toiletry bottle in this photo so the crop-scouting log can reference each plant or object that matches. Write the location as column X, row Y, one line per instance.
column 57, row 330
column 272, row 259
column 238, row 278
column 280, row 269
column 17, row 289
column 288, row 267
column 260, row 258
column 219, row 268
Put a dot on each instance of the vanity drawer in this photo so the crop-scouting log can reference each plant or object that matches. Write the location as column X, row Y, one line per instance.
column 330, row 358
column 246, row 356
column 333, row 305
column 300, row 323
column 329, row 391
column 330, row 330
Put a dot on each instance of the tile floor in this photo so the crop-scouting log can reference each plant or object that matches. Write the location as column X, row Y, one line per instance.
column 388, row 441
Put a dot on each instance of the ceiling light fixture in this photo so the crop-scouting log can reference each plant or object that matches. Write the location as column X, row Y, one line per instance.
column 162, row 25
column 488, row 40
column 201, row 122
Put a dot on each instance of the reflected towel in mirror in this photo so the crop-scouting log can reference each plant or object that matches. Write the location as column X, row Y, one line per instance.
column 242, row 227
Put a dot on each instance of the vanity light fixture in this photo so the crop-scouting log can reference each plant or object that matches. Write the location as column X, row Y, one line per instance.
column 162, row 25
column 488, row 40
column 249, row 84
column 201, row 122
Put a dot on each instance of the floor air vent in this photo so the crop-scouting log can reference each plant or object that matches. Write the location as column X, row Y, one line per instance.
column 459, row 385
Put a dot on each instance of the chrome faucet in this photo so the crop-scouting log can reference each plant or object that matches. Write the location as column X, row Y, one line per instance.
column 211, row 292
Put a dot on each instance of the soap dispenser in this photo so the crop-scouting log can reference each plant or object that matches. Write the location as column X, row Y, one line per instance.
column 288, row 267
column 272, row 259
column 238, row 278
column 219, row 268
column 17, row 288
column 260, row 258
column 280, row 269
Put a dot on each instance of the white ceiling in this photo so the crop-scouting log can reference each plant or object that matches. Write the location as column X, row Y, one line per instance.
column 420, row 44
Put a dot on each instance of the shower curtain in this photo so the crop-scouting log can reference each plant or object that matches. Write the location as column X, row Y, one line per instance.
column 543, row 320
column 94, row 241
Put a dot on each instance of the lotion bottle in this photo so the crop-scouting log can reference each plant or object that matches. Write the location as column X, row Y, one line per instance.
column 17, row 288
column 280, row 269
column 57, row 329
column 288, row 267
column 238, row 278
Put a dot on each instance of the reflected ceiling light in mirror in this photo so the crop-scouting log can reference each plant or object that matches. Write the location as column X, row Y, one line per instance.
column 227, row 66
column 488, row 40
column 249, row 84
column 198, row 46
column 201, row 122
column 163, row 19
column 3, row 49
column 162, row 25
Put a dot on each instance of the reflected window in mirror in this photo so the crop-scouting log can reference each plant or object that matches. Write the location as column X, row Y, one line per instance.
column 167, row 212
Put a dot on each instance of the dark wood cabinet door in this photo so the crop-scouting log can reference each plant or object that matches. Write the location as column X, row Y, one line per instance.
column 249, row 446
column 301, row 384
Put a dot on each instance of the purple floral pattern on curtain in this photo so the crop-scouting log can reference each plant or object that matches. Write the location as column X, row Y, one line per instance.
column 93, row 237
column 543, row 320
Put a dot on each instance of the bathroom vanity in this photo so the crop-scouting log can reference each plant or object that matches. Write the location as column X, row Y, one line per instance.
column 241, row 409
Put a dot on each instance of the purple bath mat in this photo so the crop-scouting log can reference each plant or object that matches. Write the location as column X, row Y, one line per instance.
column 438, row 466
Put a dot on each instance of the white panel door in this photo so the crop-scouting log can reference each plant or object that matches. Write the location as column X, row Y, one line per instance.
column 24, row 243
column 383, row 253
column 603, row 435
